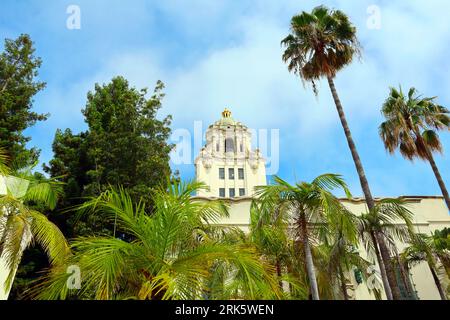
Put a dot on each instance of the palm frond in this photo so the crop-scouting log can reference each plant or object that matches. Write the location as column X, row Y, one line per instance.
column 49, row 237
column 4, row 169
column 46, row 192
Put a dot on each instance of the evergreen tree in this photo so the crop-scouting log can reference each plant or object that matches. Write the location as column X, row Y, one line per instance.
column 125, row 144
column 18, row 85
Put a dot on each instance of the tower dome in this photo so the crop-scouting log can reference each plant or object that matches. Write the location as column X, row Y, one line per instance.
column 227, row 163
column 226, row 119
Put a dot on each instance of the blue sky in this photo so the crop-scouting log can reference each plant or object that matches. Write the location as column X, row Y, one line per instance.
column 213, row 54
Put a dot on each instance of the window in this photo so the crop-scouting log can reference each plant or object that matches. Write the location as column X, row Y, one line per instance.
column 222, row 173
column 229, row 145
column 232, row 193
column 241, row 173
column 222, row 192
column 241, row 192
column 241, row 147
column 217, row 147
column 231, row 173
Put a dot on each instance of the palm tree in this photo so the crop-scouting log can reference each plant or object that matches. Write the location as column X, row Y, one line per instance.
column 338, row 253
column 422, row 249
column 387, row 222
column 441, row 246
column 322, row 43
column 4, row 170
column 272, row 233
column 21, row 225
column 311, row 207
column 177, row 252
column 411, row 125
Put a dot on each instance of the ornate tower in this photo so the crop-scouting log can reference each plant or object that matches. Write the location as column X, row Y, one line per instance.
column 226, row 163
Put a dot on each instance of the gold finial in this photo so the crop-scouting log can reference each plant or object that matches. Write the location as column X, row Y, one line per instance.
column 226, row 113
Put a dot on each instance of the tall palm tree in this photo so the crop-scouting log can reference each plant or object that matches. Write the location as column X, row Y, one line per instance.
column 389, row 220
column 422, row 249
column 411, row 126
column 272, row 233
column 322, row 43
column 177, row 252
column 311, row 207
column 338, row 253
column 21, row 225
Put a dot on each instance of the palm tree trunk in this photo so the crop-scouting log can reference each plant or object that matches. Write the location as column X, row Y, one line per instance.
column 437, row 282
column 343, row 285
column 289, row 271
column 405, row 275
column 352, row 146
column 430, row 157
column 387, row 287
column 445, row 261
column 5, row 85
column 413, row 289
column 363, row 180
column 439, row 179
column 308, row 259
column 278, row 266
column 396, row 295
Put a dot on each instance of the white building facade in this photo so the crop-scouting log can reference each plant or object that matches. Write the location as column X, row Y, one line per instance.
column 227, row 163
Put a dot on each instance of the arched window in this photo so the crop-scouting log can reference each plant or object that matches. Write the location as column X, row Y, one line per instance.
column 229, row 145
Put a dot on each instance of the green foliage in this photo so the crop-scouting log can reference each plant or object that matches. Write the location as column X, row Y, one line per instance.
column 389, row 218
column 412, row 123
column 21, row 225
column 125, row 144
column 424, row 248
column 277, row 216
column 4, row 169
column 320, row 44
column 18, row 85
column 441, row 239
column 313, row 199
column 175, row 253
column 69, row 165
column 33, row 261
